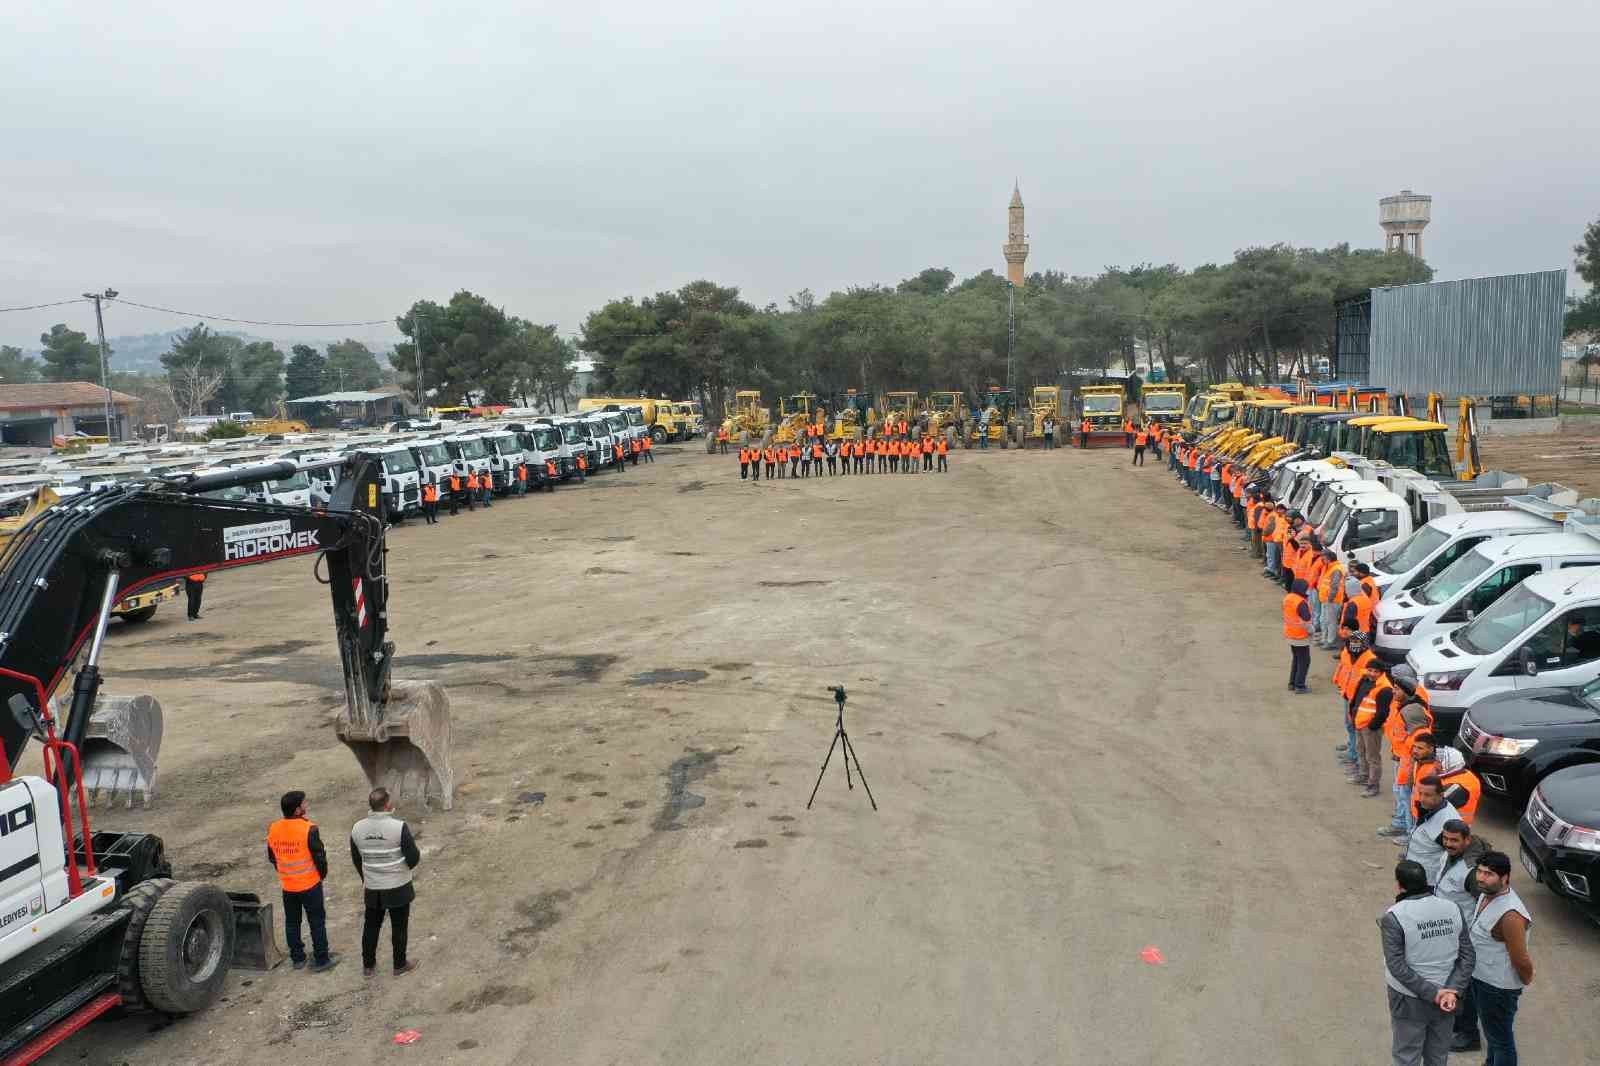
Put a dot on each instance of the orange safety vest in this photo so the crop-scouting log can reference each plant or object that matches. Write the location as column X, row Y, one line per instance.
column 1331, row 587
column 1363, row 605
column 1294, row 627
column 455, row 483
column 430, row 494
column 549, row 470
column 649, row 443
column 944, row 446
column 472, row 482
column 816, row 451
column 768, row 455
column 638, row 446
column 722, row 435
column 744, row 456
column 619, row 452
column 1467, row 780
column 1084, row 428
column 1358, row 669
column 522, row 470
column 1142, row 438
column 583, row 460
column 1368, row 709
column 1314, row 568
column 289, row 839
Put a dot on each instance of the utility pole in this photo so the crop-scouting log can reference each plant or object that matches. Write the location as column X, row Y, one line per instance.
column 419, row 320
column 105, row 380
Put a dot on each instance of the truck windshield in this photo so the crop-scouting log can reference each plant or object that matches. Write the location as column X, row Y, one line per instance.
column 1102, row 405
column 617, row 423
column 472, row 449
column 634, row 417
column 293, row 483
column 1461, row 574
column 506, row 445
column 546, row 439
column 571, row 433
column 1334, row 524
column 1162, row 401
column 1219, row 413
column 1417, row 549
column 399, row 462
column 1502, row 622
column 434, row 454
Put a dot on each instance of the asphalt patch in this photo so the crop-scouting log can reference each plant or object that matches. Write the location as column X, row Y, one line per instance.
column 663, row 676
column 789, row 584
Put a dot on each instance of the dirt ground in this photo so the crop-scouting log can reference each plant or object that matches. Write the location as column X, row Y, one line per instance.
column 1571, row 458
column 1067, row 690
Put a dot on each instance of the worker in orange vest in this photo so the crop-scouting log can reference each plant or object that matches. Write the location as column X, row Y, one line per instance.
column 1127, row 432
column 1331, row 596
column 195, row 586
column 1358, row 609
column 744, row 462
column 294, row 849
column 1083, row 432
column 816, row 454
column 722, row 440
column 648, row 444
column 472, row 489
column 1371, row 705
column 1297, row 631
column 455, row 493
column 551, row 474
column 430, row 501
column 755, row 463
column 1141, row 438
column 944, row 455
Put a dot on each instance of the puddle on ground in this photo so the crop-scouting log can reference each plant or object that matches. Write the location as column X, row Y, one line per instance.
column 789, row 584
column 662, row 676
column 692, row 767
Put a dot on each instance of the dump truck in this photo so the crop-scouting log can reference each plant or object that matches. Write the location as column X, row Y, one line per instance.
column 1164, row 403
column 665, row 421
column 1101, row 407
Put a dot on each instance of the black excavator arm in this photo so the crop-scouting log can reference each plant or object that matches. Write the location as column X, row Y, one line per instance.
column 64, row 571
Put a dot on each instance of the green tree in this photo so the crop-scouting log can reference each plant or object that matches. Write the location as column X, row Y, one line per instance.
column 469, row 349
column 17, row 368
column 934, row 281
column 200, row 370
column 69, row 355
column 306, row 372
column 351, row 366
column 258, row 377
column 1583, row 316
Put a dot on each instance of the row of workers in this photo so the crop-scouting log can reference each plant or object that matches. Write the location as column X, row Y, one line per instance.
column 473, row 489
column 876, row 455
column 1435, row 796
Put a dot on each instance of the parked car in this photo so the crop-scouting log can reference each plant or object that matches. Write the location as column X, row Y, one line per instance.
column 1560, row 836
column 1516, row 739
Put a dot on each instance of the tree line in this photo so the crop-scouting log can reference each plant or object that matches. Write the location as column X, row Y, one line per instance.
column 1267, row 314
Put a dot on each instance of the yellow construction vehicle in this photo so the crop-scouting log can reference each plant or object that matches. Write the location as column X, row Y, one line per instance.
column 279, row 423
column 947, row 411
column 900, row 410
column 1045, row 402
column 745, row 420
column 1164, row 403
column 795, row 413
column 1417, row 445
column 1466, row 433
column 1101, row 407
column 853, row 419
column 999, row 421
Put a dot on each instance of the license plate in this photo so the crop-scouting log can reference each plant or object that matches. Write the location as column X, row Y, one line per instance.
column 1529, row 864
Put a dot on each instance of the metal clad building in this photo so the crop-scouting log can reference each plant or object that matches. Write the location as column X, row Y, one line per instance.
column 1496, row 336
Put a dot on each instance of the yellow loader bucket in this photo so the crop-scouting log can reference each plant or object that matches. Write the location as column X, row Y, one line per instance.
column 404, row 745
column 120, row 746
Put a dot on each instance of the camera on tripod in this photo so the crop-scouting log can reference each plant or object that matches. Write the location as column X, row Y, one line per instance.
column 838, row 694
column 841, row 740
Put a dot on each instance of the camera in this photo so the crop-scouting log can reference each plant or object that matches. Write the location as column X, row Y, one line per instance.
column 838, row 693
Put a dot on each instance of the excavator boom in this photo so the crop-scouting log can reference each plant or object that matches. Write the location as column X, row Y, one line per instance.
column 61, row 573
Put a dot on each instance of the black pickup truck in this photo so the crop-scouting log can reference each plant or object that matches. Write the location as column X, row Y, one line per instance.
column 1560, row 835
column 1514, row 739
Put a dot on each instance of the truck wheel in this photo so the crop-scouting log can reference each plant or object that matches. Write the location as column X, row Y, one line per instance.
column 143, row 614
column 186, row 948
column 711, row 443
column 658, row 434
column 140, row 901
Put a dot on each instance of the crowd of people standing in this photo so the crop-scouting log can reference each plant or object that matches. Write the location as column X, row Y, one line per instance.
column 815, row 453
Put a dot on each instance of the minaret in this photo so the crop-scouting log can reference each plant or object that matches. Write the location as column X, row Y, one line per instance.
column 1016, row 246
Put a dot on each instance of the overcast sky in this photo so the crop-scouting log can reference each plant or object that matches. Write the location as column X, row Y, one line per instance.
column 334, row 161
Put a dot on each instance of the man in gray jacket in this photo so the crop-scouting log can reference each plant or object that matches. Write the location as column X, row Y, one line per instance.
column 1428, row 959
column 384, row 854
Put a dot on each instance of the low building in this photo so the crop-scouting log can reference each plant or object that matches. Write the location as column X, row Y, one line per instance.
column 36, row 415
column 370, row 408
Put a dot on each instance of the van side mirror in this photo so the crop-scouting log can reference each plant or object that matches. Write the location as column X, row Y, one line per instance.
column 1530, row 664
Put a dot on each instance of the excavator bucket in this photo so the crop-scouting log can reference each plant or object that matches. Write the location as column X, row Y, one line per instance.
column 405, row 746
column 120, row 747
column 254, row 947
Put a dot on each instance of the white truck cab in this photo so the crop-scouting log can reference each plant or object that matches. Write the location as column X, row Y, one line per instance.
column 470, row 453
column 1544, row 633
column 602, row 434
column 434, row 462
column 1364, row 521
column 504, row 449
column 571, row 443
column 1467, row 587
column 1444, row 540
column 402, row 482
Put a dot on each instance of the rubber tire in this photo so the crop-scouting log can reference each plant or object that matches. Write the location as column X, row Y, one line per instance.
column 141, row 900
column 139, row 617
column 1005, row 437
column 658, row 434
column 711, row 443
column 166, row 986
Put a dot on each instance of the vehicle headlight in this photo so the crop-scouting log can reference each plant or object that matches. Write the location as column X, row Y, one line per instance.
column 1581, row 838
column 1400, row 626
column 1445, row 680
column 1506, row 746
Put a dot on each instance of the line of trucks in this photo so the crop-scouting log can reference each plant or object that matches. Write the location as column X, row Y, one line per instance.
column 997, row 420
column 1489, row 589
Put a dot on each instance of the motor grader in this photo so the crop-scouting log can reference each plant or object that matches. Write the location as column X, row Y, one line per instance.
column 795, row 413
column 855, row 417
column 946, row 412
column 901, row 411
column 745, row 420
column 999, row 421
column 1044, row 403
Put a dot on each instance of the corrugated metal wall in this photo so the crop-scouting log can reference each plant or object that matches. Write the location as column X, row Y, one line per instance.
column 1478, row 337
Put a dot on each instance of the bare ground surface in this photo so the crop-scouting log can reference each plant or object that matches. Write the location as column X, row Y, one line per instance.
column 1571, row 458
column 1067, row 690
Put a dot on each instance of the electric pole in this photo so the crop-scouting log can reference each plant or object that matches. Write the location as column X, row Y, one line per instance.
column 418, row 319
column 105, row 380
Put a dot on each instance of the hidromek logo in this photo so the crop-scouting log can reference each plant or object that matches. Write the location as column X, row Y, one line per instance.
column 265, row 538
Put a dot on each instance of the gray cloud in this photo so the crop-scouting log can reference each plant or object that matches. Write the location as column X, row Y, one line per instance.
column 296, row 162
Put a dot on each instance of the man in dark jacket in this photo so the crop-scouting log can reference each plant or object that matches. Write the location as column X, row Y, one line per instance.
column 1427, row 958
column 384, row 854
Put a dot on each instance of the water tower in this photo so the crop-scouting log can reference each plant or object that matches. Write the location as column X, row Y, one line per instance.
column 1403, row 219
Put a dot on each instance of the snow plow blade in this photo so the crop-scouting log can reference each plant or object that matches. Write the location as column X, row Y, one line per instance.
column 404, row 745
column 120, row 747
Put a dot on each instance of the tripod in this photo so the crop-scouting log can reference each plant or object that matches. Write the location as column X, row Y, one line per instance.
column 842, row 739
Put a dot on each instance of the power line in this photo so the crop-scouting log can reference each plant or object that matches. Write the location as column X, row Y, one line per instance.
column 35, row 307
column 250, row 321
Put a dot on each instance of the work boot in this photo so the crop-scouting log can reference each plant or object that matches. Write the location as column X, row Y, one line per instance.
column 298, row 964
column 368, row 971
column 1369, row 791
column 324, row 967
column 1392, row 830
column 409, row 967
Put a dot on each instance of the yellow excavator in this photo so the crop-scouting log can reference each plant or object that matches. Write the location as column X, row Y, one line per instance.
column 279, row 423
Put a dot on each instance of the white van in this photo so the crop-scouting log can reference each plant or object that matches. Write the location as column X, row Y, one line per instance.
column 1444, row 540
column 1467, row 587
column 1543, row 633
